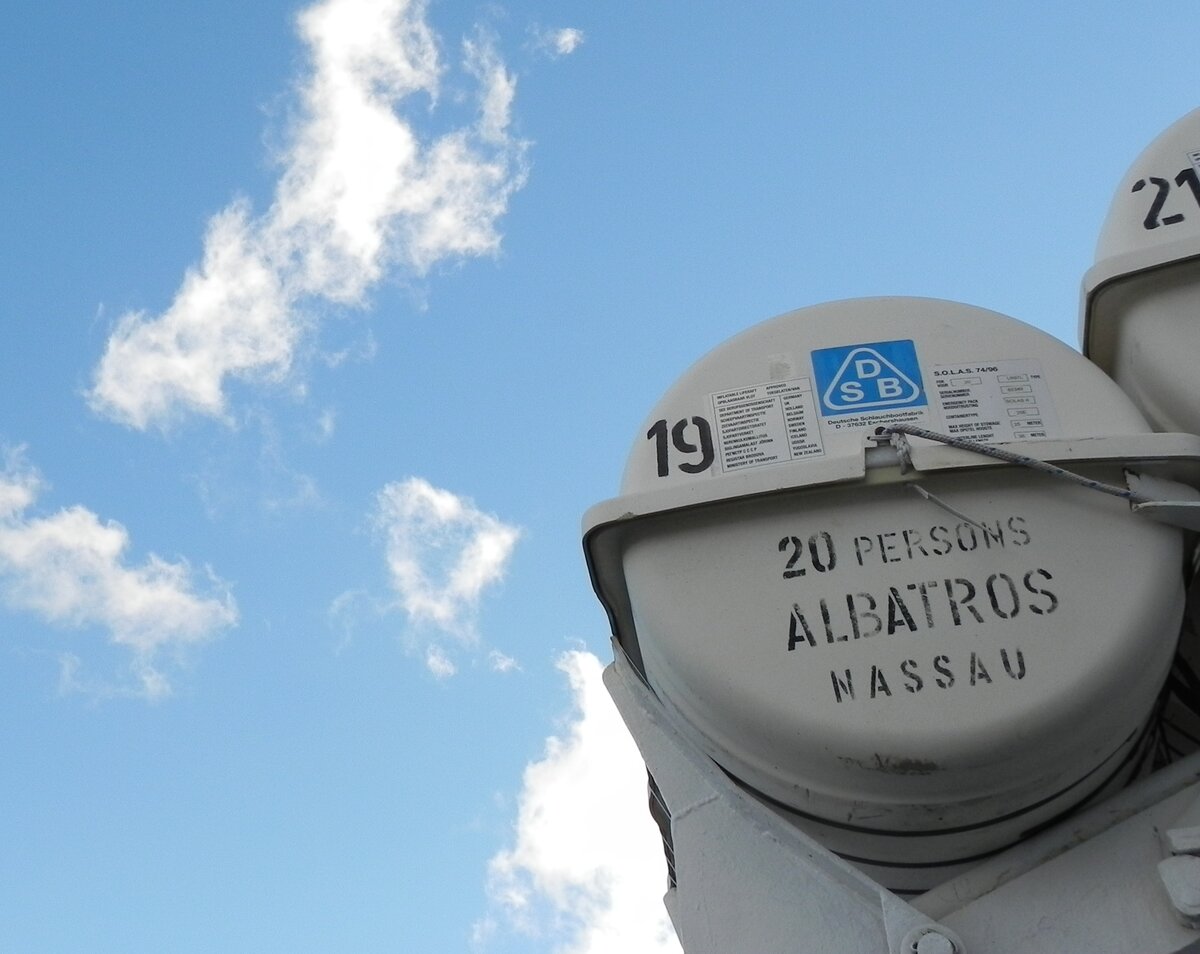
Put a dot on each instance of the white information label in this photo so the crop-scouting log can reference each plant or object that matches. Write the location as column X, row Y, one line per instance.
column 766, row 424
column 995, row 402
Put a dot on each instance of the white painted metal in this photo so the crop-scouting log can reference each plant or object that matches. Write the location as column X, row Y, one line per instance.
column 748, row 880
column 1141, row 298
column 915, row 681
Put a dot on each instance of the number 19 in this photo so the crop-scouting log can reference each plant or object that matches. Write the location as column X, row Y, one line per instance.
column 679, row 440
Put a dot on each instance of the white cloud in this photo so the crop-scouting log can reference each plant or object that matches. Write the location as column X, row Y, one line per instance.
column 587, row 868
column 561, row 42
column 69, row 568
column 442, row 553
column 438, row 663
column 326, row 423
column 361, row 192
column 501, row 662
column 567, row 40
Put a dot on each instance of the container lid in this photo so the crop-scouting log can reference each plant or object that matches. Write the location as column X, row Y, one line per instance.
column 1153, row 222
column 855, row 650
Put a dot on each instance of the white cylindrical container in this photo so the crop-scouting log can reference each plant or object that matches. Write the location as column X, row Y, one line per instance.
column 1140, row 318
column 918, row 679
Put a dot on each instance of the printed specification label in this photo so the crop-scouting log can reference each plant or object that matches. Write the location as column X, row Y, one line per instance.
column 996, row 402
column 766, row 424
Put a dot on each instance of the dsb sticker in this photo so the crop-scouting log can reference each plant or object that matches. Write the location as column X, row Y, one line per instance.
column 882, row 375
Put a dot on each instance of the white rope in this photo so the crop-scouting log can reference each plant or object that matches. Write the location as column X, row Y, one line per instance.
column 1022, row 460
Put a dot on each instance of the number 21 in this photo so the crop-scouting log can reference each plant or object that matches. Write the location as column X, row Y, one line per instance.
column 1162, row 190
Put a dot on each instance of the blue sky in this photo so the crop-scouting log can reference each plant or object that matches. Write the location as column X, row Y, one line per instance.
column 324, row 324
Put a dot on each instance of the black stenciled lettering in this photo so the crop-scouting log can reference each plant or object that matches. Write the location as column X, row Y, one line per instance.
column 888, row 546
column 684, row 446
column 979, row 671
column 915, row 683
column 842, row 689
column 1002, row 593
column 1188, row 175
column 1007, row 663
column 941, row 536
column 992, row 535
column 894, row 611
column 798, row 630
column 923, row 590
column 820, row 548
column 972, row 540
column 829, row 637
column 865, row 614
column 912, row 541
column 658, row 434
column 1037, row 591
column 791, row 571
column 706, row 449
column 964, row 601
column 1156, row 205
column 896, row 604
column 910, row 676
column 1020, row 534
column 859, row 552
column 822, row 554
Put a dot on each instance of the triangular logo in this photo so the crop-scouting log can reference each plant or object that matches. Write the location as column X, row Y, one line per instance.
column 866, row 380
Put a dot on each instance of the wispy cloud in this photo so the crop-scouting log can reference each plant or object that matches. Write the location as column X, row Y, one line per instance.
column 442, row 554
column 502, row 662
column 70, row 568
column 362, row 191
column 557, row 42
column 586, row 869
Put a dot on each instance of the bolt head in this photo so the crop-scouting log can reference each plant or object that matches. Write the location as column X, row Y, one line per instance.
column 935, row 943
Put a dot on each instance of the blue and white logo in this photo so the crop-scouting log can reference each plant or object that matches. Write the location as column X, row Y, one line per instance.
column 882, row 375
